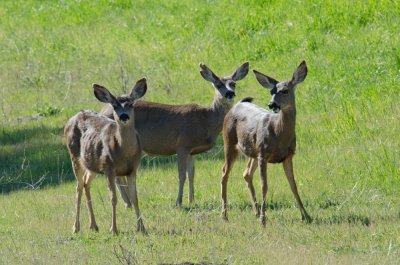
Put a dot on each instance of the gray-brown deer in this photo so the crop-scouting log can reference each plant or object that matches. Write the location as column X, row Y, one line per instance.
column 185, row 130
column 265, row 137
column 99, row 145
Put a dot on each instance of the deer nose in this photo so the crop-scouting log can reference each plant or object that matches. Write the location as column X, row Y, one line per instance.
column 124, row 117
column 273, row 105
column 230, row 94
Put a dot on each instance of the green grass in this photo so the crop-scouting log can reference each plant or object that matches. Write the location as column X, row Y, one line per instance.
column 347, row 165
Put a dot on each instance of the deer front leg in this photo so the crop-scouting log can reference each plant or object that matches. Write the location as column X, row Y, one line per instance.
column 190, row 175
column 288, row 168
column 248, row 177
column 134, row 198
column 122, row 186
column 264, row 186
column 88, row 178
column 230, row 157
column 113, row 198
column 182, row 157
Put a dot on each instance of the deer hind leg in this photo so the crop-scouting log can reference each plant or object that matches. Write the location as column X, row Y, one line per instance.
column 134, row 198
column 122, row 186
column 264, row 187
column 248, row 177
column 230, row 154
column 288, row 168
column 182, row 156
column 113, row 198
column 89, row 176
column 79, row 172
column 190, row 175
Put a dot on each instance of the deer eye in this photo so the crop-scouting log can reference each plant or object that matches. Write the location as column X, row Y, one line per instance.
column 285, row 92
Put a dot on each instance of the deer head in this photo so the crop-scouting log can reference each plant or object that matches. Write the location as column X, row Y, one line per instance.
column 122, row 106
column 226, row 85
column 282, row 92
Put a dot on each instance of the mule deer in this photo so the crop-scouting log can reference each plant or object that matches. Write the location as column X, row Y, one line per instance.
column 99, row 145
column 265, row 137
column 185, row 130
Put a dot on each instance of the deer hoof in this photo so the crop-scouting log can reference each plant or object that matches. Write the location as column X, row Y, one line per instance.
column 306, row 218
column 141, row 228
column 263, row 220
column 76, row 228
column 114, row 230
column 94, row 227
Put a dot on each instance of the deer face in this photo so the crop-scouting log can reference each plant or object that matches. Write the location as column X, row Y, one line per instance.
column 122, row 106
column 226, row 86
column 282, row 93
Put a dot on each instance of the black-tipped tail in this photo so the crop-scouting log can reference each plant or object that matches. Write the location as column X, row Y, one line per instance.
column 247, row 99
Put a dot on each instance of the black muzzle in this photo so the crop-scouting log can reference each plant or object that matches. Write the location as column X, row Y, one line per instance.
column 230, row 95
column 275, row 107
column 124, row 117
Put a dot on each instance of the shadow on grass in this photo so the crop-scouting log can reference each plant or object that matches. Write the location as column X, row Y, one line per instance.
column 33, row 155
column 349, row 218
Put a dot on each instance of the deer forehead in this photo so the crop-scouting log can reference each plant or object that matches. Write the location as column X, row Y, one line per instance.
column 282, row 86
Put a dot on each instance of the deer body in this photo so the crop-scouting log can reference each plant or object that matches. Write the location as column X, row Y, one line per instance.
column 173, row 126
column 185, row 130
column 99, row 145
column 265, row 137
column 272, row 134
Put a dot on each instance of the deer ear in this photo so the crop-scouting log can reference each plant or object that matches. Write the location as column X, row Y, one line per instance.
column 265, row 81
column 300, row 74
column 139, row 89
column 207, row 74
column 241, row 72
column 102, row 94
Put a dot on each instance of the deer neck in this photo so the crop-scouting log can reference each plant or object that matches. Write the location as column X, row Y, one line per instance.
column 126, row 136
column 286, row 121
column 220, row 104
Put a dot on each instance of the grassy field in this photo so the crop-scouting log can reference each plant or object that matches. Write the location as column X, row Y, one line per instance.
column 347, row 165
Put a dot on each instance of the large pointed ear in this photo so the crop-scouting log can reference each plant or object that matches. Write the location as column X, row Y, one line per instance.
column 207, row 74
column 139, row 89
column 241, row 72
column 102, row 94
column 265, row 81
column 300, row 73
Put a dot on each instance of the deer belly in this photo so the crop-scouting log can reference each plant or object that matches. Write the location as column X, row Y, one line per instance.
column 280, row 156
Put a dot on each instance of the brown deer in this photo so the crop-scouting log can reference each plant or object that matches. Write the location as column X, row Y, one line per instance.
column 99, row 145
column 265, row 137
column 185, row 130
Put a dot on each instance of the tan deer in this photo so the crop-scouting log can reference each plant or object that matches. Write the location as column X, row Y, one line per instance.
column 99, row 145
column 265, row 137
column 185, row 130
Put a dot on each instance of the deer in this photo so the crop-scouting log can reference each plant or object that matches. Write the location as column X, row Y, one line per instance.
column 99, row 145
column 265, row 137
column 184, row 130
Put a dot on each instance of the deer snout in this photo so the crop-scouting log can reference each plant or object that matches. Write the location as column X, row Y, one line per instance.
column 272, row 105
column 124, row 117
column 230, row 94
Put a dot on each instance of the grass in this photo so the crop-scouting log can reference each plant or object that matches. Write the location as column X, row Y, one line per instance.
column 347, row 164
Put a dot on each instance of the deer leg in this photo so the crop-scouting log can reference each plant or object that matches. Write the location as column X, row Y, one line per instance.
column 88, row 179
column 78, row 171
column 288, row 168
column 230, row 156
column 190, row 175
column 264, row 186
column 113, row 197
column 134, row 198
column 248, row 177
column 122, row 186
column 182, row 159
